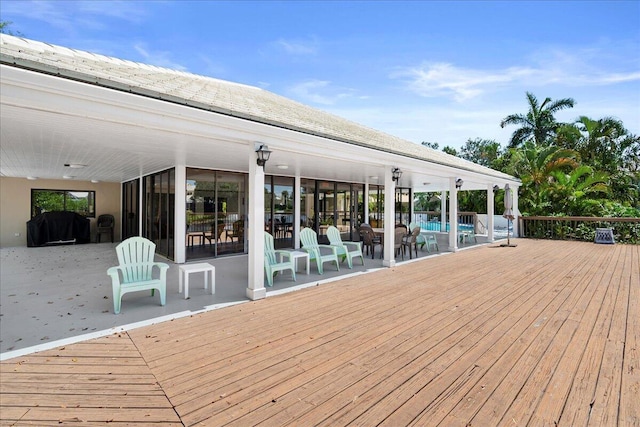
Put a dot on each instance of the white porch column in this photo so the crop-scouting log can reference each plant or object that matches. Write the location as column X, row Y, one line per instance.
column 389, row 218
column 180, row 214
column 255, row 225
column 490, row 212
column 453, row 215
column 365, row 200
column 516, row 212
column 296, row 211
column 141, row 196
column 443, row 211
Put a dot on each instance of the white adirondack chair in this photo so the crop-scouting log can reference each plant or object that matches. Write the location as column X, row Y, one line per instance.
column 309, row 240
column 348, row 250
column 276, row 260
column 135, row 270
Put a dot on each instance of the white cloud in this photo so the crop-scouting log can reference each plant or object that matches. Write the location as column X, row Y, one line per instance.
column 451, row 126
column 442, row 79
column 553, row 68
column 73, row 16
column 297, row 47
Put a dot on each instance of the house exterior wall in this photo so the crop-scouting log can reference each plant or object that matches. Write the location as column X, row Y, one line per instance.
column 15, row 205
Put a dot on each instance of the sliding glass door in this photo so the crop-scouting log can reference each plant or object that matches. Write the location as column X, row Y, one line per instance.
column 216, row 213
column 159, row 200
column 130, row 201
column 279, row 199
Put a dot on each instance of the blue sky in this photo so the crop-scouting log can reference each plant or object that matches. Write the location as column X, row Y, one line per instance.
column 424, row 71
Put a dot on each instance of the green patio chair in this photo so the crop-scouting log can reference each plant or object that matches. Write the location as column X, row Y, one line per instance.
column 425, row 239
column 348, row 250
column 135, row 271
column 276, row 260
column 309, row 240
column 420, row 239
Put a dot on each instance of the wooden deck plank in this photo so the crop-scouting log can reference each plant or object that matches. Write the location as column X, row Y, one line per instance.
column 579, row 401
column 500, row 359
column 630, row 392
column 310, row 364
column 57, row 387
column 328, row 394
column 535, row 335
column 514, row 393
column 606, row 402
column 550, row 365
column 66, row 415
column 524, row 332
column 456, row 382
column 359, row 340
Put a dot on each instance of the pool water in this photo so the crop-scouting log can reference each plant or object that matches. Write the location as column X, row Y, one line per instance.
column 435, row 226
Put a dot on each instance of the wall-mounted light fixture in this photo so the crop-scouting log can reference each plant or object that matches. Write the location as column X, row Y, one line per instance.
column 496, row 188
column 459, row 183
column 263, row 154
column 396, row 173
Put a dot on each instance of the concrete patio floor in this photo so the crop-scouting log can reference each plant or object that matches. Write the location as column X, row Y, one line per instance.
column 54, row 295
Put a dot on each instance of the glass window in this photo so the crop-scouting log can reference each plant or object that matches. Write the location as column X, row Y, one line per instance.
column 279, row 200
column 215, row 213
column 376, row 206
column 130, row 200
column 307, row 203
column 403, row 206
column 159, row 199
column 80, row 202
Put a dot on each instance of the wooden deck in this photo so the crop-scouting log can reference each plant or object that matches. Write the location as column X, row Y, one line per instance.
column 543, row 334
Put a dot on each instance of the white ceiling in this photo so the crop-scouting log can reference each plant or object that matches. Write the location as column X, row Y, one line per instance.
column 47, row 122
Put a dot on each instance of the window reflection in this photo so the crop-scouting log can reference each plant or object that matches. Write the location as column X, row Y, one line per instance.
column 80, row 202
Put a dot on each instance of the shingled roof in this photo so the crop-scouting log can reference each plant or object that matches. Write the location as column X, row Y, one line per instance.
column 219, row 96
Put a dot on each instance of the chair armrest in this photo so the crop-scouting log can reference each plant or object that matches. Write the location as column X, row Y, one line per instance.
column 284, row 253
column 161, row 265
column 164, row 267
column 352, row 244
column 333, row 249
column 114, row 271
column 311, row 250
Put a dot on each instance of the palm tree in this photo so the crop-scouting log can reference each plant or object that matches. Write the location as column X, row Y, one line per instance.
column 538, row 124
column 577, row 193
column 606, row 145
column 535, row 165
column 602, row 142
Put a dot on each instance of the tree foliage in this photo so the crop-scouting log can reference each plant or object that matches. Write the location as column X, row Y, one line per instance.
column 590, row 167
column 538, row 124
column 4, row 29
column 484, row 152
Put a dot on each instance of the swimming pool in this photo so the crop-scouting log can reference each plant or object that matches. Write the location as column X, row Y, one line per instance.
column 436, row 226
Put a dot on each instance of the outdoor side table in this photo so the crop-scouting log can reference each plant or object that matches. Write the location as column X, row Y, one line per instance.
column 295, row 255
column 605, row 235
column 203, row 267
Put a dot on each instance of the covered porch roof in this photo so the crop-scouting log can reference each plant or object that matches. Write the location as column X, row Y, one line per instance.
column 124, row 119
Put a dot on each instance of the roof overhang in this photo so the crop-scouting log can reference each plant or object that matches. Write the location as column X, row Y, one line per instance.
column 48, row 120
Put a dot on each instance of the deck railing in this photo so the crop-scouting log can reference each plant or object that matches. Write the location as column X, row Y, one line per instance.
column 625, row 230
